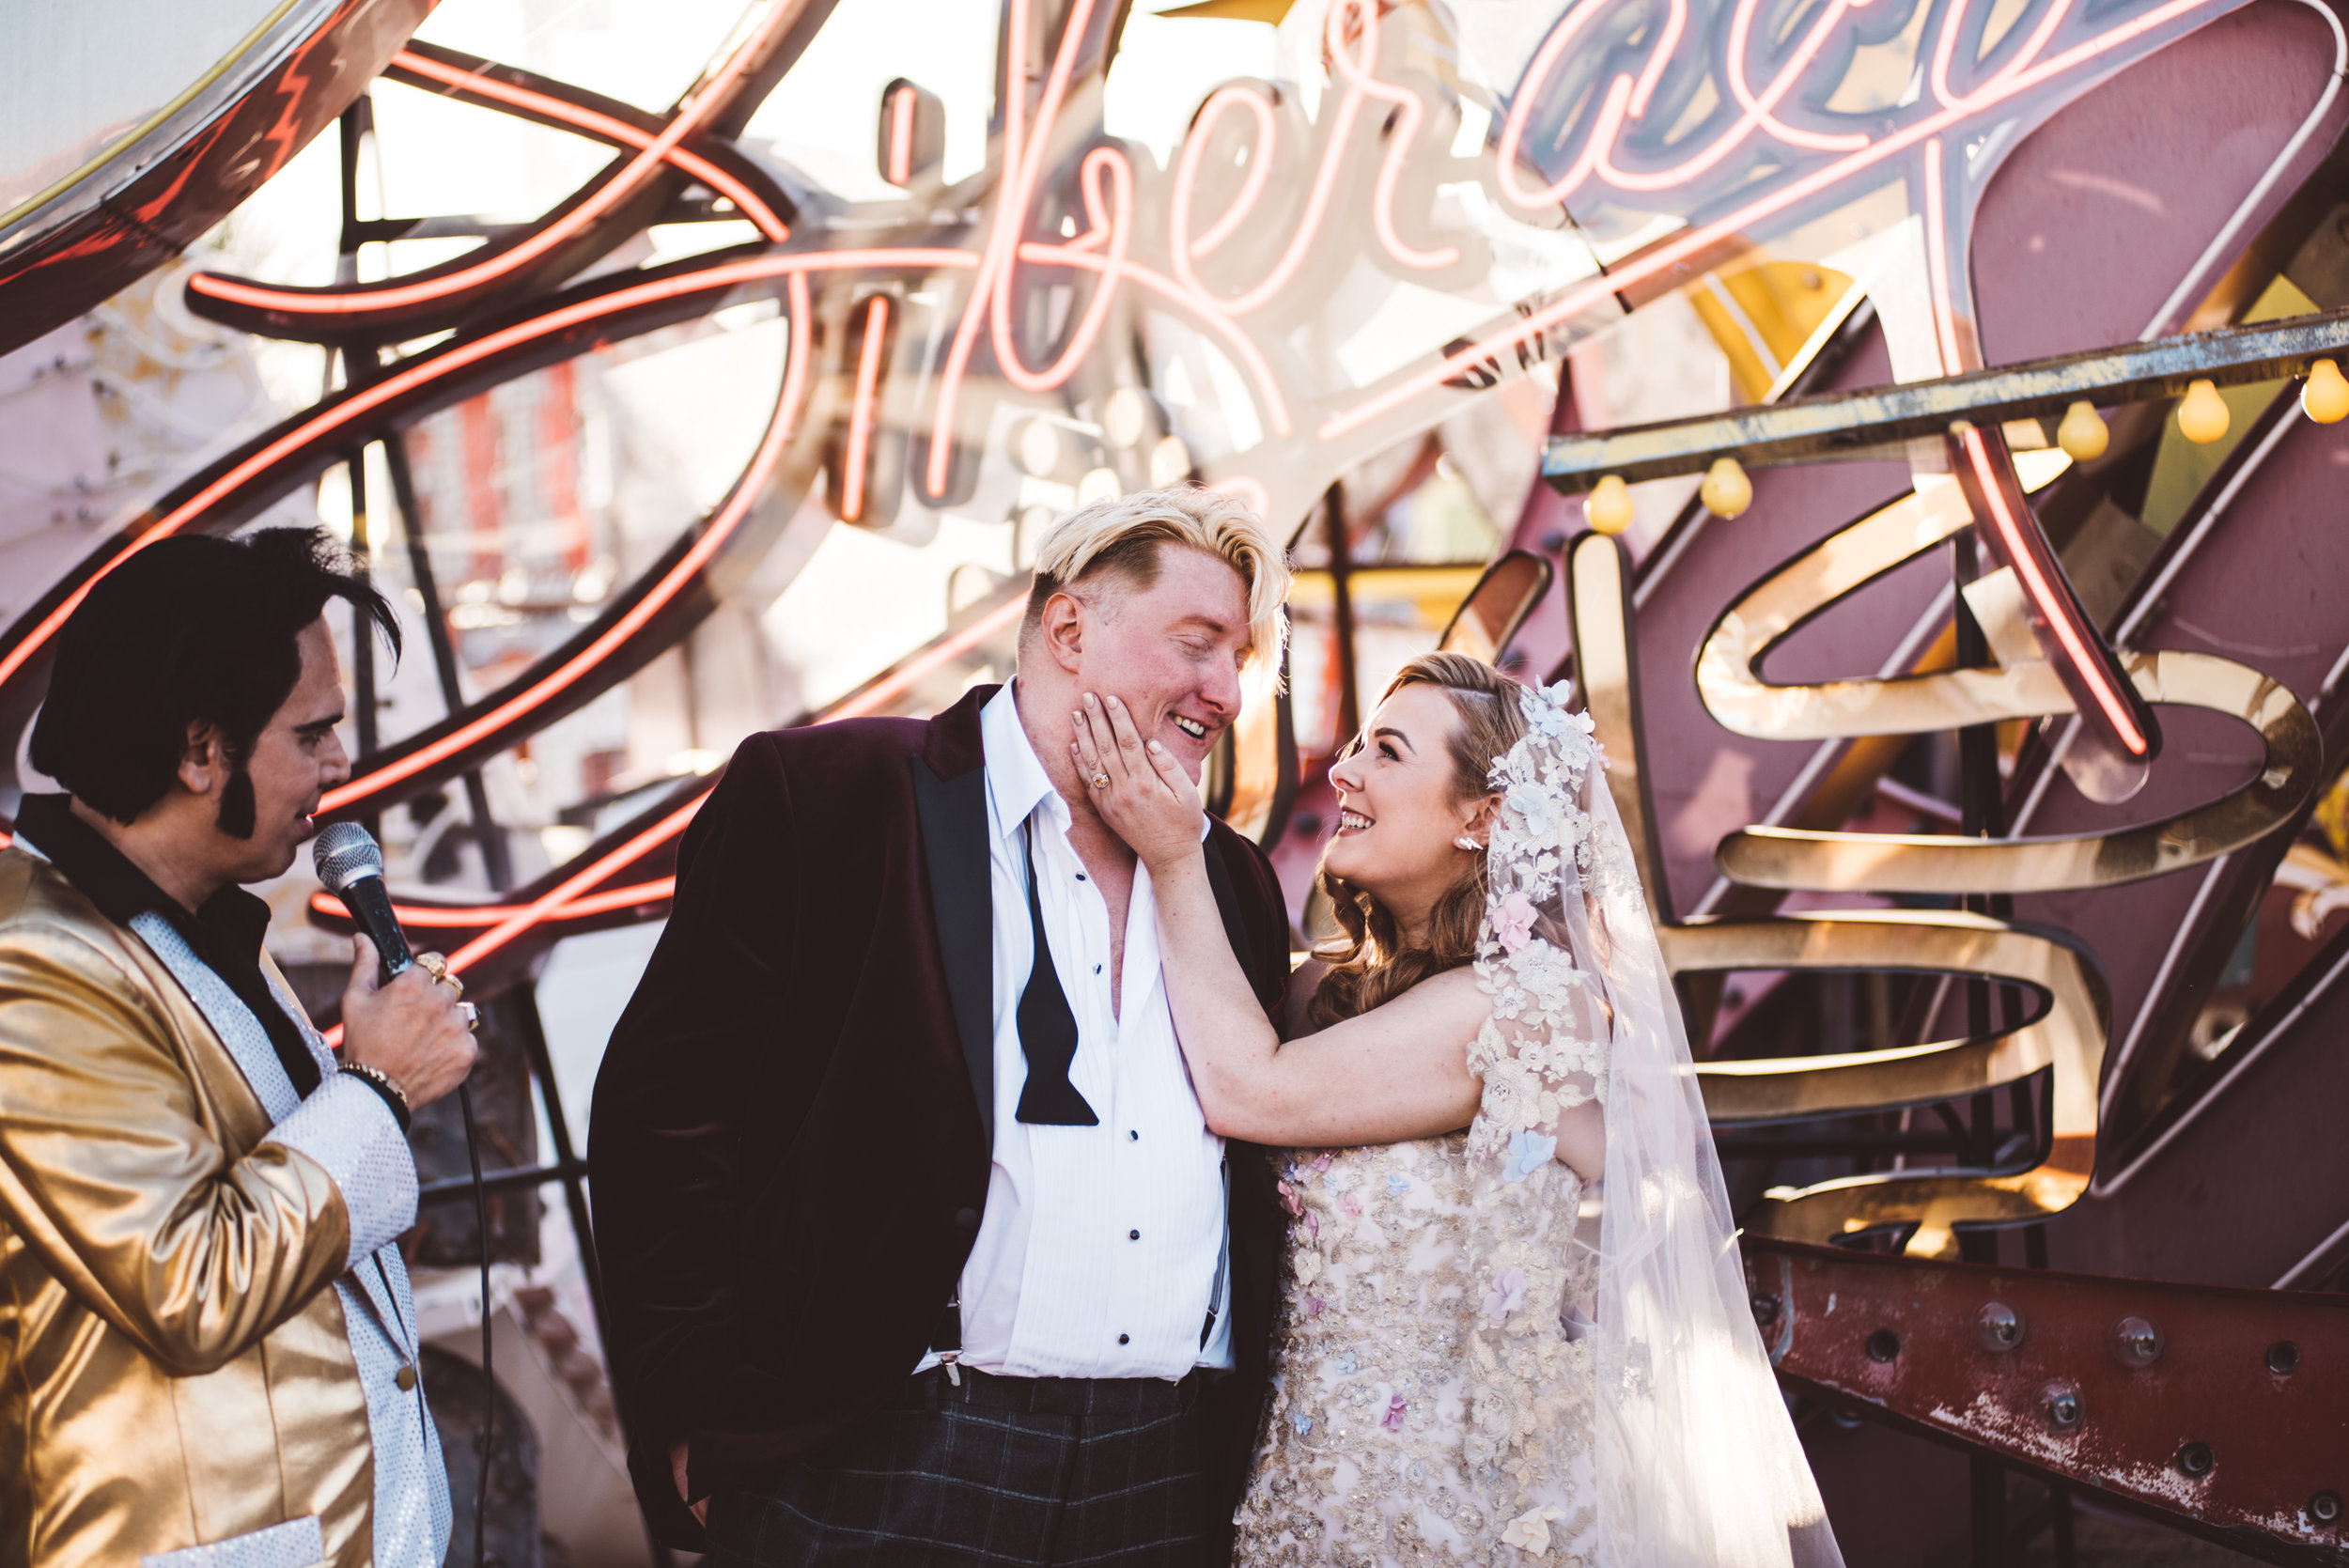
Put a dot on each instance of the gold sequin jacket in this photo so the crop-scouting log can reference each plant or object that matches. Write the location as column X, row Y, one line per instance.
column 174, row 1367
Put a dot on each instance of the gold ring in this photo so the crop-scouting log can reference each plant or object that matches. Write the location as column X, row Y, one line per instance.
column 1100, row 780
column 436, row 967
column 471, row 1013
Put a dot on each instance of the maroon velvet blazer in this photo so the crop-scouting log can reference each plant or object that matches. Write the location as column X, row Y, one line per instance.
column 792, row 1127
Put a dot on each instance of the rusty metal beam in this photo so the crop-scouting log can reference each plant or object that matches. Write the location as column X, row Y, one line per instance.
column 2225, row 1410
column 1857, row 424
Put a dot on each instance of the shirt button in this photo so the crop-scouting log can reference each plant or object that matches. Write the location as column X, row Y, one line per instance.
column 1081, row 876
column 967, row 1219
column 1133, row 1236
column 404, row 1377
column 1132, row 1136
column 1123, row 1338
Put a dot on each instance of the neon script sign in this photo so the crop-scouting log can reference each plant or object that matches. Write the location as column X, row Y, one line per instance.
column 1325, row 257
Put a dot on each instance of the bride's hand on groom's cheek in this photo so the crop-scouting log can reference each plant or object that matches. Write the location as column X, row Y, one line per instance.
column 1139, row 788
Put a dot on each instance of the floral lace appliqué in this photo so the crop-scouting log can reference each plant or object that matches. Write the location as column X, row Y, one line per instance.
column 1406, row 1384
column 1543, row 1050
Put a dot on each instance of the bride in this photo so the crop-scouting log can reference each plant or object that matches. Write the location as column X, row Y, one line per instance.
column 1461, row 1377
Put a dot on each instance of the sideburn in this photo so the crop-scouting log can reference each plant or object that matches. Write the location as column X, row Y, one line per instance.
column 236, row 815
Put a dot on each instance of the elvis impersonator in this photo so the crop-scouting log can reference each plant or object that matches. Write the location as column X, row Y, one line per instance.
column 208, row 1346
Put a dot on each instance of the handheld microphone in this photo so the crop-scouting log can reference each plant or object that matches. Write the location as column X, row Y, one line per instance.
column 351, row 863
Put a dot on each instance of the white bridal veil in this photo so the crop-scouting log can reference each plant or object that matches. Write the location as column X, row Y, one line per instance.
column 1696, row 1461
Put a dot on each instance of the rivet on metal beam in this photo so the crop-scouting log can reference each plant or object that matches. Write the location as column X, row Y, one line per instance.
column 2195, row 1459
column 2283, row 1358
column 2060, row 1404
column 1998, row 1326
column 2136, row 1342
column 1884, row 1345
column 2325, row 1508
column 1765, row 1307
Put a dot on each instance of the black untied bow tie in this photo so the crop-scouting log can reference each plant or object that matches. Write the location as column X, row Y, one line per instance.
column 1048, row 1030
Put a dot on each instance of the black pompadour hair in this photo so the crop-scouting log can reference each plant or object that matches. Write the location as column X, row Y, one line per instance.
column 190, row 630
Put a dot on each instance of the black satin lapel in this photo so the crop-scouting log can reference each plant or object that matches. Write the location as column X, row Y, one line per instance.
column 1235, row 930
column 954, row 842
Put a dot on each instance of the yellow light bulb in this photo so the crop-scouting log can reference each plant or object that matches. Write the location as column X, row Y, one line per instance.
column 2202, row 414
column 2083, row 434
column 2325, row 397
column 1609, row 505
column 1726, row 490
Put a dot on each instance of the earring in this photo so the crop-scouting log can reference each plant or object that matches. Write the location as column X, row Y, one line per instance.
column 1467, row 843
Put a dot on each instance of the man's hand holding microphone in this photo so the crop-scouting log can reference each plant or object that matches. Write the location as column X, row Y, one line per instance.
column 414, row 1028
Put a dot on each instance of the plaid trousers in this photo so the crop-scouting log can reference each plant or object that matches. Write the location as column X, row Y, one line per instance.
column 1039, row 1472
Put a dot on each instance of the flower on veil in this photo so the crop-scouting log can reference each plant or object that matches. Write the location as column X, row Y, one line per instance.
column 1513, row 921
column 1530, row 1532
column 1527, row 1153
column 1549, row 976
column 1534, row 804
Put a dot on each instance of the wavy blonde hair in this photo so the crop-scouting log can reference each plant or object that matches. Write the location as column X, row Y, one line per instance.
column 1122, row 537
column 1370, row 964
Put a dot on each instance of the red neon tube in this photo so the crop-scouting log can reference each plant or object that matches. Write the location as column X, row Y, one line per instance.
column 351, row 409
column 2053, row 607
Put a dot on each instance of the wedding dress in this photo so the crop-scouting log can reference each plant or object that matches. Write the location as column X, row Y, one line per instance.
column 1460, row 1376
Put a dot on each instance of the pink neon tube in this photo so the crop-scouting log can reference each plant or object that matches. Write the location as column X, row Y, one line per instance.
column 570, row 897
column 1695, row 242
column 860, row 412
column 688, row 117
column 901, row 136
column 605, row 128
column 351, row 409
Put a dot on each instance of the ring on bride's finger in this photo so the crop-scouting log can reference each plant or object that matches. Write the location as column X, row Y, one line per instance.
column 1100, row 780
column 471, row 1013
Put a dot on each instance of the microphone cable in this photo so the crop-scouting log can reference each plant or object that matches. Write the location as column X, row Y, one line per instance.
column 489, row 1378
